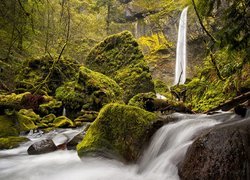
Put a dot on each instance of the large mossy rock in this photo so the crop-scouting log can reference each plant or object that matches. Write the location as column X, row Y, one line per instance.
column 119, row 131
column 23, row 120
column 45, row 73
column 12, row 101
column 26, row 119
column 221, row 153
column 120, row 58
column 91, row 91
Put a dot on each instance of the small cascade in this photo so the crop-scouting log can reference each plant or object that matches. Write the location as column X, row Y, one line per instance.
column 167, row 148
column 181, row 54
column 169, row 145
column 64, row 111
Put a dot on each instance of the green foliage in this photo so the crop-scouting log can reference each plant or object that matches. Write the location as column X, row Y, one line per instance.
column 11, row 142
column 121, row 129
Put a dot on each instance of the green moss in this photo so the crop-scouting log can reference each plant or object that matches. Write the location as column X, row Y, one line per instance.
column 121, row 129
column 30, row 114
column 51, row 106
column 26, row 120
column 11, row 101
column 35, row 70
column 8, row 126
column 140, row 99
column 48, row 118
column 120, row 58
column 91, row 91
column 203, row 95
column 63, row 122
column 160, row 86
column 12, row 142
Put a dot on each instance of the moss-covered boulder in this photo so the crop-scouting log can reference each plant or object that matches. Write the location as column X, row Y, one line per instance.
column 91, row 91
column 11, row 101
column 48, row 118
column 26, row 120
column 11, row 142
column 8, row 126
column 140, row 99
column 120, row 58
column 63, row 122
column 45, row 74
column 51, row 105
column 119, row 130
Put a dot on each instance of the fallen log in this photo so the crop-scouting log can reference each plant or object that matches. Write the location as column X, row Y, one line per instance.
column 232, row 103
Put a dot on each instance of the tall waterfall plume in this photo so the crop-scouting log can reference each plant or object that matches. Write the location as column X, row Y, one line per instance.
column 181, row 51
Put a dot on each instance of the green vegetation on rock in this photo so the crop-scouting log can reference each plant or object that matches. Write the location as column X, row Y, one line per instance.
column 11, row 142
column 63, row 122
column 8, row 126
column 119, row 129
column 51, row 105
column 140, row 99
column 26, row 120
column 45, row 74
column 91, row 91
column 120, row 58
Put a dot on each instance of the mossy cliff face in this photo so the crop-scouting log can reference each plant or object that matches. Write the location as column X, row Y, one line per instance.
column 91, row 91
column 44, row 70
column 119, row 130
column 120, row 58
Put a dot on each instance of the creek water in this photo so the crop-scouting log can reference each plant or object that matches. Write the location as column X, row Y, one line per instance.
column 159, row 161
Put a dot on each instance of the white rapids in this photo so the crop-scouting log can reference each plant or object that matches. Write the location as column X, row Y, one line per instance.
column 159, row 161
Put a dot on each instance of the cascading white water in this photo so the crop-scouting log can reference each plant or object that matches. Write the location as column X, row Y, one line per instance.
column 159, row 162
column 181, row 54
column 64, row 111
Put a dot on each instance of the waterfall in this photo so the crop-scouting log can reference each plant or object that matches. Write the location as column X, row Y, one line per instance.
column 64, row 111
column 181, row 54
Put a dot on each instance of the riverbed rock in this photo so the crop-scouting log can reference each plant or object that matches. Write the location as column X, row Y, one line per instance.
column 90, row 91
column 120, row 58
column 119, row 131
column 221, row 153
column 11, row 142
column 41, row 147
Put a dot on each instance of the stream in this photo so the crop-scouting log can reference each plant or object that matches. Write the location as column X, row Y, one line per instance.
column 158, row 162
